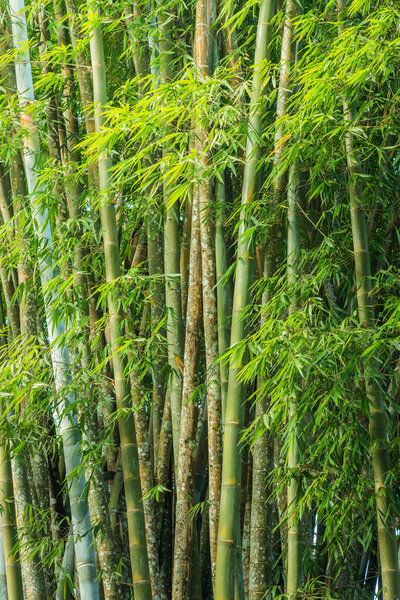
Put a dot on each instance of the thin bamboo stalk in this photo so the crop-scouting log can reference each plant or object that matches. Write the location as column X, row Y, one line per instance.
column 3, row 580
column 8, row 520
column 230, row 489
column 294, row 560
column 221, row 266
column 67, row 573
column 60, row 358
column 11, row 556
column 129, row 453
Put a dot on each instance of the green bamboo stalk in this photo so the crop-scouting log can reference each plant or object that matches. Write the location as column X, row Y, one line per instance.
column 221, row 266
column 60, row 358
column 230, row 489
column 67, row 571
column 3, row 580
column 294, row 560
column 9, row 533
column 129, row 453
column 273, row 250
column 8, row 520
column 98, row 496
column 387, row 544
column 172, row 260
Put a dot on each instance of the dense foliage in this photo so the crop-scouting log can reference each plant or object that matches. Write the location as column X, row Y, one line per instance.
column 199, row 299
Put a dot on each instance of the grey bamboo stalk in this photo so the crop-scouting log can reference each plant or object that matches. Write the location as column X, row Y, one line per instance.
column 183, row 548
column 202, row 59
column 294, row 560
column 129, row 454
column 230, row 489
column 31, row 570
column 68, row 426
column 381, row 464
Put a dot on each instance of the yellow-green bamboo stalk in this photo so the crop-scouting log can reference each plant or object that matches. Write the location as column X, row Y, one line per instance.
column 230, row 489
column 9, row 533
column 221, row 266
column 129, row 454
column 387, row 544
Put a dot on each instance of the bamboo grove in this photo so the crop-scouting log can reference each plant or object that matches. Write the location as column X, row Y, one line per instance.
column 199, row 299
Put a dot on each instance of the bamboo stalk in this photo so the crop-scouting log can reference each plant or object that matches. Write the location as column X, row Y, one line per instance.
column 230, row 488
column 389, row 563
column 32, row 572
column 172, row 260
column 202, row 57
column 294, row 560
column 9, row 533
column 129, row 452
column 3, row 580
column 221, row 266
column 60, row 358
column 182, row 573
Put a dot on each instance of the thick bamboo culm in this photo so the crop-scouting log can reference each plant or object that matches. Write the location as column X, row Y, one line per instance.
column 230, row 485
column 129, row 453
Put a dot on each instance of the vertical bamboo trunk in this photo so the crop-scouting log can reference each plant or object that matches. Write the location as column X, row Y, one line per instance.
column 294, row 561
column 145, row 467
column 273, row 251
column 8, row 518
column 221, row 266
column 163, row 508
column 129, row 453
column 377, row 414
column 68, row 563
column 32, row 571
column 60, row 358
column 9, row 533
column 202, row 58
column 97, row 497
column 172, row 260
column 181, row 586
column 230, row 489
column 154, row 239
column 3, row 580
